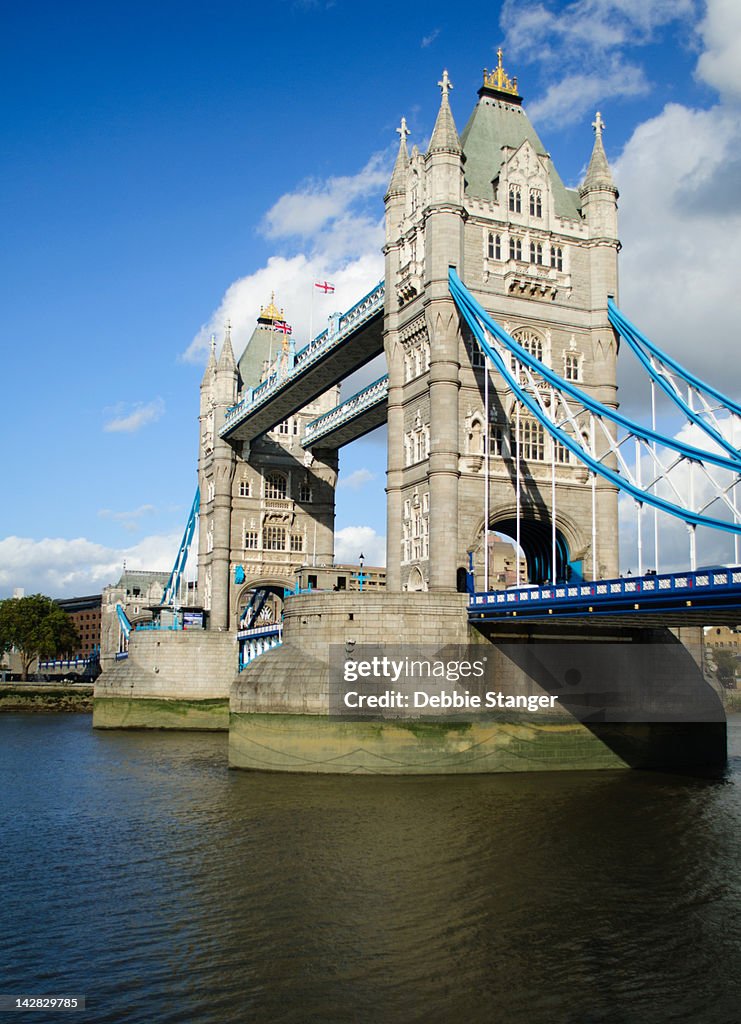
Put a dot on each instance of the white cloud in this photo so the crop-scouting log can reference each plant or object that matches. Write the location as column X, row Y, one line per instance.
column 680, row 215
column 139, row 416
column 129, row 520
column 357, row 479
column 341, row 223
column 585, row 28
column 351, row 541
column 571, row 97
column 317, row 205
column 62, row 567
column 429, row 39
column 584, row 41
column 720, row 64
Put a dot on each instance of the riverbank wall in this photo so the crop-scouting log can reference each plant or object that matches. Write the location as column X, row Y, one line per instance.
column 46, row 698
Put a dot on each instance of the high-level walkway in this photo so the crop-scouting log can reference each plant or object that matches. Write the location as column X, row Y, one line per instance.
column 351, row 419
column 351, row 341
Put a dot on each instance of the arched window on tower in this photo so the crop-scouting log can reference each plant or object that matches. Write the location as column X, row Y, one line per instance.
column 494, row 248
column 531, row 342
column 276, row 485
column 515, row 248
column 531, row 446
column 536, row 203
column 536, row 253
column 556, row 257
column 515, row 199
column 571, row 366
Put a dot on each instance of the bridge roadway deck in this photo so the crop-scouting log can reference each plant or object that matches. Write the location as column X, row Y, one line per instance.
column 316, row 370
column 704, row 597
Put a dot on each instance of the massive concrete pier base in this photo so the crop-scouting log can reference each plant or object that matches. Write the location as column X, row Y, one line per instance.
column 170, row 680
column 280, row 705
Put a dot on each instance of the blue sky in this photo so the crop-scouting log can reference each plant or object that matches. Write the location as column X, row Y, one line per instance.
column 166, row 165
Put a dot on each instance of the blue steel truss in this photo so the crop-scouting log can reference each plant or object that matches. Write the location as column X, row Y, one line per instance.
column 703, row 401
column 596, row 434
column 123, row 621
column 168, row 598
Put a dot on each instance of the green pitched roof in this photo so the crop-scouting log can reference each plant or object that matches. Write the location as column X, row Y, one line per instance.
column 494, row 124
column 263, row 345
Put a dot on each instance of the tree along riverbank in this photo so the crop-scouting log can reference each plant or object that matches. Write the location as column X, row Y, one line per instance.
column 46, row 697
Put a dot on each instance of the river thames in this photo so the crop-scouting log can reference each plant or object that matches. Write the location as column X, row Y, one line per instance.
column 138, row 871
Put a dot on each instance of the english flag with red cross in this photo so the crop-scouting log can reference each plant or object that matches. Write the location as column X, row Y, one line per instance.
column 325, row 286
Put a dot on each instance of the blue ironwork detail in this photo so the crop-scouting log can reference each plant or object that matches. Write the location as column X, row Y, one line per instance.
column 181, row 559
column 477, row 318
column 703, row 590
column 639, row 345
column 257, row 640
column 123, row 621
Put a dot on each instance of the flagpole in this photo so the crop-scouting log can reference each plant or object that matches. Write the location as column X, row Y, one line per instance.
column 311, row 311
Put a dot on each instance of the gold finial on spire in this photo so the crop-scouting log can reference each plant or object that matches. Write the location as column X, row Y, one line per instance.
column 599, row 125
column 271, row 311
column 499, row 79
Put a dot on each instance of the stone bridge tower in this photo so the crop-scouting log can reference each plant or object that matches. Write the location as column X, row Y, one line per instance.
column 542, row 259
column 267, row 507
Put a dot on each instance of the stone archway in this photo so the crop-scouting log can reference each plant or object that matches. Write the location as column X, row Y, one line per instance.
column 536, row 542
column 272, row 608
column 416, row 581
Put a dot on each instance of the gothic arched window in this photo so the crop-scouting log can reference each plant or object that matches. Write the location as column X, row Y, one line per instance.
column 556, row 257
column 536, row 203
column 532, row 440
column 276, row 485
column 515, row 199
column 515, row 248
column 531, row 342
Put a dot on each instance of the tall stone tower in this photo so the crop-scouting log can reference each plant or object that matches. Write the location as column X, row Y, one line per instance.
column 542, row 259
column 267, row 507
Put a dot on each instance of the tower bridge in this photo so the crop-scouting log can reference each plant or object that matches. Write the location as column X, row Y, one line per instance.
column 499, row 320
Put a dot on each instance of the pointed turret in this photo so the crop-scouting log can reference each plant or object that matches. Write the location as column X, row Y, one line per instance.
column 225, row 377
column 398, row 183
column 226, row 359
column 445, row 134
column 208, row 373
column 598, row 173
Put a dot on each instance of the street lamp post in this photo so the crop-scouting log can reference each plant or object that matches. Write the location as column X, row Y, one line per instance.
column 361, row 576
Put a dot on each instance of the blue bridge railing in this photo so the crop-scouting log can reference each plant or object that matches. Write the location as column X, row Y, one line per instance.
column 705, row 588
